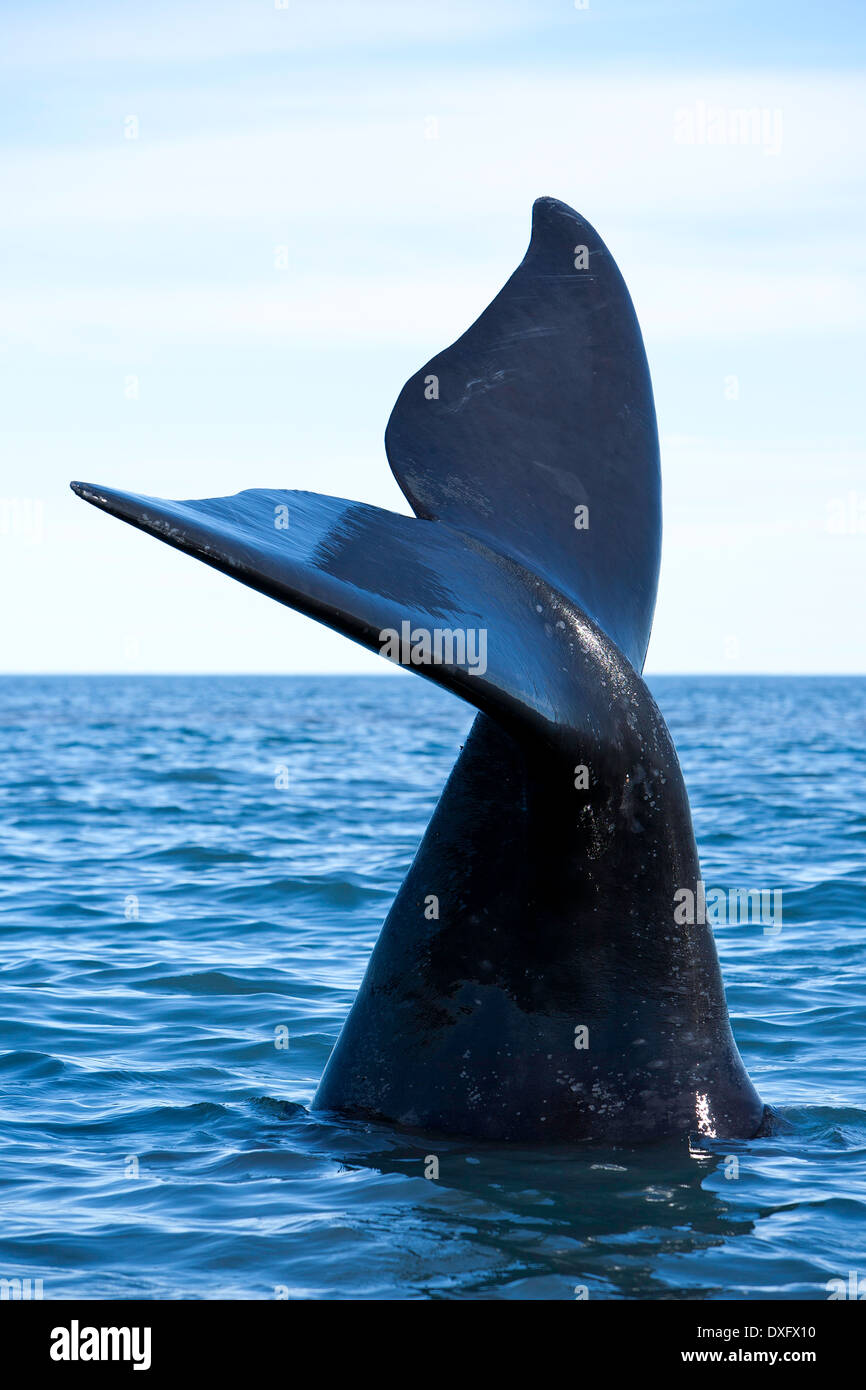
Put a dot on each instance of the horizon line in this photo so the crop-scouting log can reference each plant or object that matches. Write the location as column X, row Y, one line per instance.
column 386, row 674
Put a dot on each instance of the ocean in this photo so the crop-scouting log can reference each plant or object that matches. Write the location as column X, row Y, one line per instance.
column 193, row 871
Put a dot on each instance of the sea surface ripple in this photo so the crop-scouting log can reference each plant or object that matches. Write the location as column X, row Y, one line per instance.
column 193, row 870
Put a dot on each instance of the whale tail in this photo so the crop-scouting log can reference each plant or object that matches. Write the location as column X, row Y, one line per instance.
column 531, row 442
column 526, row 584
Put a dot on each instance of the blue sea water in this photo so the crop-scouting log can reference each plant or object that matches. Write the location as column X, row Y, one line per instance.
column 192, row 867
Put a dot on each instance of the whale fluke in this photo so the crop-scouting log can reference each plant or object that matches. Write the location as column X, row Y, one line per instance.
column 533, row 979
column 545, row 405
column 365, row 571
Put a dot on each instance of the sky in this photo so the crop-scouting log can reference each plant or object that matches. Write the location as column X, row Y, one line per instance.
column 230, row 232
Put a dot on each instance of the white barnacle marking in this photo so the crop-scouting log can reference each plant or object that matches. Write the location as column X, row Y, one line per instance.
column 706, row 1124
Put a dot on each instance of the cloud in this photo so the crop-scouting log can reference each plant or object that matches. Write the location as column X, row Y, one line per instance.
column 200, row 31
column 327, row 311
column 400, row 181
column 501, row 138
column 385, row 228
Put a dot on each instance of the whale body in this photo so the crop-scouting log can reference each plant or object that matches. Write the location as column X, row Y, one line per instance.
column 534, row 980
